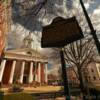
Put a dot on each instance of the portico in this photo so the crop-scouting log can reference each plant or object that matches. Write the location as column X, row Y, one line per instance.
column 22, row 68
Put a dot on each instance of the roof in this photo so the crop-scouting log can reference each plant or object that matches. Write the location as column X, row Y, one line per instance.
column 25, row 54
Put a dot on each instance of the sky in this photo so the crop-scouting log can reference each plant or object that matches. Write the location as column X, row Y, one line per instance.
column 54, row 8
column 94, row 11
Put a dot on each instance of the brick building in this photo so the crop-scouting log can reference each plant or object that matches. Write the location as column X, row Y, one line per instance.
column 72, row 77
column 5, row 12
column 92, row 74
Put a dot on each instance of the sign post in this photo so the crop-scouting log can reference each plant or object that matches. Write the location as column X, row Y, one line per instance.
column 64, row 76
column 58, row 34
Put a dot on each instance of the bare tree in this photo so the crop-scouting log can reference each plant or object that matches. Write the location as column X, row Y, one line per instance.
column 80, row 54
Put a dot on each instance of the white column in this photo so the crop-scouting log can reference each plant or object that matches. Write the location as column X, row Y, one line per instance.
column 39, row 72
column 2, row 67
column 12, row 72
column 98, row 68
column 46, row 74
column 22, row 72
column 31, row 73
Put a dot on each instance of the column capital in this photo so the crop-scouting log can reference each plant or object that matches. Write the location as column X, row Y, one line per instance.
column 43, row 62
column 2, row 58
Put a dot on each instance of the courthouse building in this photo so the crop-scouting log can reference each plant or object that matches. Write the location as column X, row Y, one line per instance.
column 24, row 65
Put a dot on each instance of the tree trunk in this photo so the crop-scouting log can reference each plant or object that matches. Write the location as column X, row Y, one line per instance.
column 82, row 87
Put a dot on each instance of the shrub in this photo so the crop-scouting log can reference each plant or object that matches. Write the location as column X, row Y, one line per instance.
column 15, row 88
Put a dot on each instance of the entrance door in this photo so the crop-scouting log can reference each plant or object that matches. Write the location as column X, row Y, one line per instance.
column 25, row 79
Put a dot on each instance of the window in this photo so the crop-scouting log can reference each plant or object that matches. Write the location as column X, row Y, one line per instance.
column 92, row 70
column 94, row 77
column 89, row 78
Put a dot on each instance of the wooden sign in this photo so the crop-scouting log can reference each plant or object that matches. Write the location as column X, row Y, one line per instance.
column 61, row 32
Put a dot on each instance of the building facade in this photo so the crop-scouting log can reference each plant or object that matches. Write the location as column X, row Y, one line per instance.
column 19, row 66
column 5, row 13
column 72, row 77
column 92, row 74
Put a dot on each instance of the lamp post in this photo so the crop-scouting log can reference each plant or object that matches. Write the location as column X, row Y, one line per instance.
column 93, row 31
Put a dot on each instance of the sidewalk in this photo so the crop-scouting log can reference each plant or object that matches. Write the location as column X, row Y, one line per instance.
column 37, row 89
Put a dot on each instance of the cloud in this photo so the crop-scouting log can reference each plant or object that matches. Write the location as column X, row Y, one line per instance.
column 54, row 8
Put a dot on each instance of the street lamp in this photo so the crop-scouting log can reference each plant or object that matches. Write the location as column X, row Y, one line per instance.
column 93, row 31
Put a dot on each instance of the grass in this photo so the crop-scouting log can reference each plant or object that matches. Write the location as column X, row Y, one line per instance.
column 17, row 96
column 1, row 95
column 25, row 95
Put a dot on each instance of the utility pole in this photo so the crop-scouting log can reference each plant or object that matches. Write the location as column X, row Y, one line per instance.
column 93, row 31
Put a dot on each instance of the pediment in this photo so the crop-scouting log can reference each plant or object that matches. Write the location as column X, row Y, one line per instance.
column 24, row 52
